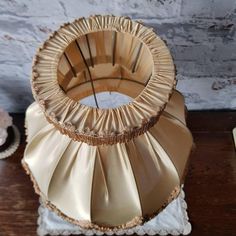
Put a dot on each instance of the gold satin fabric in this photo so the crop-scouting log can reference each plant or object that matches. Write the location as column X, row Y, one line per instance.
column 106, row 167
column 109, row 184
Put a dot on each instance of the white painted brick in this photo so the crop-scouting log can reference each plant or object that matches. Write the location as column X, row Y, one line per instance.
column 75, row 8
column 208, row 9
column 224, row 52
column 205, row 60
column 133, row 8
column 198, row 32
column 19, row 72
column 13, row 53
column 199, row 93
column 191, row 53
column 32, row 8
column 15, row 92
column 214, row 69
column 201, row 35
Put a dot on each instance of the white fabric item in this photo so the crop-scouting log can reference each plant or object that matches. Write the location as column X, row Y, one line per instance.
column 12, row 148
column 172, row 220
column 5, row 122
column 5, row 119
column 3, row 136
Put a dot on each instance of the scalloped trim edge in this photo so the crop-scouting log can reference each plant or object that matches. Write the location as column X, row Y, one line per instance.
column 187, row 227
column 136, row 221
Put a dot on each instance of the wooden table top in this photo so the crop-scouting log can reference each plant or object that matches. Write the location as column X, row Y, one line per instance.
column 210, row 184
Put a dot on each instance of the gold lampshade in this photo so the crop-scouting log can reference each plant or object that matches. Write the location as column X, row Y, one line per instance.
column 106, row 168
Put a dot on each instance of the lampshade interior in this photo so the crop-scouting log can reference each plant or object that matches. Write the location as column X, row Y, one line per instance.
column 104, row 61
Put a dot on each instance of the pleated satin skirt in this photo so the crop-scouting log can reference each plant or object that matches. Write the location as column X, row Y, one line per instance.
column 123, row 184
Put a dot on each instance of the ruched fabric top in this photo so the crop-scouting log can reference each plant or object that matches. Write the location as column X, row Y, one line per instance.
column 121, row 54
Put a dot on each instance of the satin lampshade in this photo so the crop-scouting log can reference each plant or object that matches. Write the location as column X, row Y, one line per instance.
column 106, row 168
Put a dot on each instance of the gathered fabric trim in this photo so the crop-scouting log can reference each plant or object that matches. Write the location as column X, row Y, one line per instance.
column 77, row 120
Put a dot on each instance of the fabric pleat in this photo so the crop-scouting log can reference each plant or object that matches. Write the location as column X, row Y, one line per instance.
column 72, row 181
column 114, row 189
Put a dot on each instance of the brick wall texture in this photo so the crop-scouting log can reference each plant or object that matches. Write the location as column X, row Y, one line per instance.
column 200, row 34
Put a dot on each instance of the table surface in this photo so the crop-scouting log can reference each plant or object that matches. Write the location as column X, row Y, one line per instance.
column 210, row 184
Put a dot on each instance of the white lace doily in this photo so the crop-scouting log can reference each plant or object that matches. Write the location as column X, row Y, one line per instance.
column 172, row 220
column 12, row 148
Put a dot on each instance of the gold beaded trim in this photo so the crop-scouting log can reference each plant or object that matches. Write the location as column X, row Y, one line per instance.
column 92, row 137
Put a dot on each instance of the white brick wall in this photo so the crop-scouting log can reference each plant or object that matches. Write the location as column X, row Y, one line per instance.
column 200, row 34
